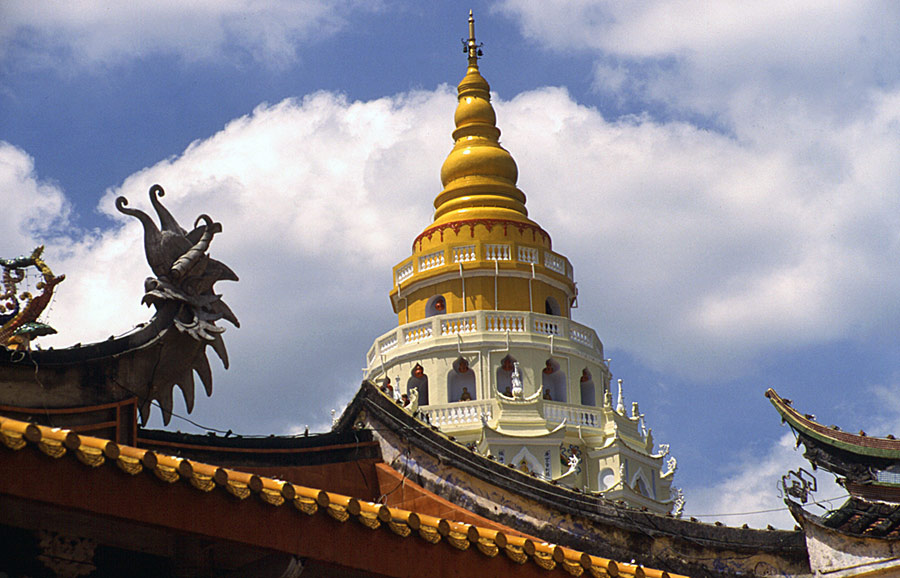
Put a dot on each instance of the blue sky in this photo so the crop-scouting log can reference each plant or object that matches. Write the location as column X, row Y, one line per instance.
column 723, row 178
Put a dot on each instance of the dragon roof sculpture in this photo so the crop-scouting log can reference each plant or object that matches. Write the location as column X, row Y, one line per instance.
column 183, row 284
column 19, row 312
column 143, row 365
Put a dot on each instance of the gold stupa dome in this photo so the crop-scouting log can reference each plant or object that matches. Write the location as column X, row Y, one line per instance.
column 479, row 176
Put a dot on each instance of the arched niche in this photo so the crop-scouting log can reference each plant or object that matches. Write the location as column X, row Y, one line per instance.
column 588, row 390
column 504, row 375
column 606, row 479
column 641, row 485
column 551, row 306
column 553, row 381
column 525, row 462
column 437, row 305
column 461, row 381
column 418, row 381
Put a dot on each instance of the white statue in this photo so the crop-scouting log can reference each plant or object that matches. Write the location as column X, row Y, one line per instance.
column 516, row 378
column 672, row 464
column 679, row 502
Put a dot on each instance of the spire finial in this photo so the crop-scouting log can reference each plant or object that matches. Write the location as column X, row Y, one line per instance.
column 470, row 47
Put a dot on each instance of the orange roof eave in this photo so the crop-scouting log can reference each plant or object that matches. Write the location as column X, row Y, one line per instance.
column 108, row 479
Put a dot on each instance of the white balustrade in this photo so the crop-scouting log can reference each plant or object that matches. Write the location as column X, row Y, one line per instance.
column 455, row 325
column 497, row 253
column 417, row 333
column 528, row 254
column 554, row 262
column 505, row 322
column 579, row 335
column 404, row 272
column 459, row 414
column 445, row 329
column 463, row 254
column 557, row 412
column 546, row 326
column 431, row 260
column 387, row 343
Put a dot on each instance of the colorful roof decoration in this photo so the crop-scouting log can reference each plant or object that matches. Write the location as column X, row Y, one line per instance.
column 31, row 480
column 861, row 444
column 19, row 312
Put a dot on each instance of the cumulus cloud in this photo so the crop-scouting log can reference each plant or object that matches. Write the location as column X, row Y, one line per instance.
column 749, row 491
column 32, row 208
column 696, row 252
column 319, row 197
column 712, row 250
column 743, row 65
column 87, row 33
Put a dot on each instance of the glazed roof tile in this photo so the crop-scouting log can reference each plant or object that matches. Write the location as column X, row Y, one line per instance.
column 860, row 444
column 862, row 518
column 96, row 453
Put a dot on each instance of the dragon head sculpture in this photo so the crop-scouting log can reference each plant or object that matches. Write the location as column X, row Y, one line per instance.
column 183, row 288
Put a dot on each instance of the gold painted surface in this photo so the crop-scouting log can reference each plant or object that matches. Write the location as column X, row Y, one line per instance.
column 305, row 505
column 90, row 456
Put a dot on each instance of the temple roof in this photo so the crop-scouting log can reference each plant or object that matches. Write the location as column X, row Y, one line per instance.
column 861, row 444
column 38, row 478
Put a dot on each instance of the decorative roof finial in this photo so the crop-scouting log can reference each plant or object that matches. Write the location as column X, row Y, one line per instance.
column 620, row 403
column 470, row 47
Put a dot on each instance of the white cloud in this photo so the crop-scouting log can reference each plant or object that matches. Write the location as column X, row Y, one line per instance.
column 695, row 252
column 93, row 32
column 744, row 65
column 702, row 252
column 750, row 490
column 32, row 209
column 318, row 198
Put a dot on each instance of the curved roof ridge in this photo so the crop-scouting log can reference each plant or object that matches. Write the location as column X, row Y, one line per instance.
column 94, row 452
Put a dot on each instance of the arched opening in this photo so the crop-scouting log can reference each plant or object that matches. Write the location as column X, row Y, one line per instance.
column 527, row 463
column 461, row 381
column 553, row 381
column 641, row 485
column 551, row 307
column 588, row 391
column 437, row 305
column 504, row 375
column 605, row 479
column 418, row 381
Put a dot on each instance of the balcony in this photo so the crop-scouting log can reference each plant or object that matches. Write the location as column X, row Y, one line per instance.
column 442, row 260
column 487, row 327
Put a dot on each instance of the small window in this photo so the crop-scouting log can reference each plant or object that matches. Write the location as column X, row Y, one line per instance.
column 551, row 307
column 437, row 305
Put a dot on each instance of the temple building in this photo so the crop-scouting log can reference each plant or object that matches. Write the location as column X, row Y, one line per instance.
column 862, row 536
column 486, row 343
column 487, row 437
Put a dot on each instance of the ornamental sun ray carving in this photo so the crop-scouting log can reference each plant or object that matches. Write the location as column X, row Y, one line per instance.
column 182, row 287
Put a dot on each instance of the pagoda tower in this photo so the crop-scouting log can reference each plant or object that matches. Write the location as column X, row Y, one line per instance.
column 486, row 349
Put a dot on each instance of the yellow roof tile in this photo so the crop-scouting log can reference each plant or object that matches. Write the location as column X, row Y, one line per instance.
column 91, row 451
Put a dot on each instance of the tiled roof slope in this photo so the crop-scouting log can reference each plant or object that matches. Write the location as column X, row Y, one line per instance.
column 431, row 535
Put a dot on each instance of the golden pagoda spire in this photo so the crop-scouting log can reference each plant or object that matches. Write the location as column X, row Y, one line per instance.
column 479, row 176
column 471, row 47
